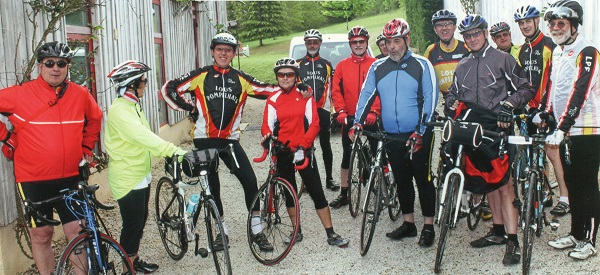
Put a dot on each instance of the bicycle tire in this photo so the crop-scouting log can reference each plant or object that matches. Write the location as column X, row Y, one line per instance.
column 543, row 183
column 114, row 259
column 356, row 176
column 446, row 221
column 528, row 230
column 438, row 180
column 214, row 226
column 276, row 221
column 169, row 215
column 520, row 177
column 394, row 209
column 371, row 212
column 474, row 210
column 299, row 188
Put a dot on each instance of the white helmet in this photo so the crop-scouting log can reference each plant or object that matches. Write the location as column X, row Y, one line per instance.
column 127, row 72
column 223, row 38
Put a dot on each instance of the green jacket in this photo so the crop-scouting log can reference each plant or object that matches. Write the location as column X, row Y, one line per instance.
column 130, row 145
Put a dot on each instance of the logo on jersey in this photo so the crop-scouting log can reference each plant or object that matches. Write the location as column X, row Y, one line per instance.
column 403, row 66
column 306, row 63
column 571, row 52
column 230, row 81
column 440, row 58
column 319, row 66
column 537, row 52
column 458, row 55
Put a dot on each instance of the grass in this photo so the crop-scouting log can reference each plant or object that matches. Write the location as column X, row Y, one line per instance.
column 260, row 62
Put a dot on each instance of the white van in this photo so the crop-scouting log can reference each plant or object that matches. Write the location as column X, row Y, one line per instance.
column 335, row 48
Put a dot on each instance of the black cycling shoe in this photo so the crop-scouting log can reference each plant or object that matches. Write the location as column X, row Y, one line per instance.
column 261, row 240
column 489, row 239
column 340, row 201
column 145, row 267
column 402, row 232
column 427, row 237
column 331, row 185
column 218, row 246
column 512, row 256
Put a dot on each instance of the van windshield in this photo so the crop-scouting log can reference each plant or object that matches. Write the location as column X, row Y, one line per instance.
column 332, row 51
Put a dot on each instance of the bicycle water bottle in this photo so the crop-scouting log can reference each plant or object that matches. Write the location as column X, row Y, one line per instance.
column 193, row 204
column 387, row 170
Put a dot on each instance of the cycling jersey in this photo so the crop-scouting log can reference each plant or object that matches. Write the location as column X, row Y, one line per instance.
column 317, row 72
column 535, row 56
column 348, row 80
column 444, row 61
column 408, row 89
column 574, row 95
column 50, row 144
column 220, row 97
column 513, row 51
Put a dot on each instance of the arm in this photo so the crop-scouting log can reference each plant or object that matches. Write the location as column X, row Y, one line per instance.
column 430, row 94
column 336, row 90
column 93, row 123
column 312, row 117
column 367, row 97
column 173, row 91
column 518, row 82
column 269, row 119
column 256, row 88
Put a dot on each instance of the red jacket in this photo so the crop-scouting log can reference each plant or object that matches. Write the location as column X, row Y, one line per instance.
column 348, row 80
column 50, row 145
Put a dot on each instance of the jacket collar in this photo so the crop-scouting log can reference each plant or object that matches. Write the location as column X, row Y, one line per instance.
column 221, row 70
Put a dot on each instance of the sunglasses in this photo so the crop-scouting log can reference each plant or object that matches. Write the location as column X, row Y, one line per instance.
column 474, row 35
column 356, row 42
column 284, row 75
column 145, row 81
column 50, row 64
column 442, row 25
column 559, row 24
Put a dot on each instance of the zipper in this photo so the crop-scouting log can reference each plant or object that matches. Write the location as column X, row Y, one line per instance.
column 223, row 105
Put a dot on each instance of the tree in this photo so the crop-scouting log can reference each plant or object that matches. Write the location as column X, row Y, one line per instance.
column 469, row 6
column 346, row 10
column 261, row 20
column 419, row 19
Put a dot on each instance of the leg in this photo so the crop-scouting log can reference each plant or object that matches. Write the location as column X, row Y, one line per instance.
column 324, row 141
column 512, row 255
column 554, row 157
column 343, row 198
column 41, row 248
column 421, row 165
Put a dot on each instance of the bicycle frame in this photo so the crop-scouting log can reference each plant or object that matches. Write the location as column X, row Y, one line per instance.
column 457, row 171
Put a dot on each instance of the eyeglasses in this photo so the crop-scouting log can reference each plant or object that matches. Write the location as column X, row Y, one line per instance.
column 442, row 25
column 145, row 81
column 312, row 42
column 284, row 75
column 356, row 42
column 50, row 64
column 473, row 34
column 559, row 24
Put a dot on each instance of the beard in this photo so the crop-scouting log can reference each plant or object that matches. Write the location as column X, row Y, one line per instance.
column 560, row 37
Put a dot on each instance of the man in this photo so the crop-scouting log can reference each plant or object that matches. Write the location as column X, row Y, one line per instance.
column 481, row 83
column 406, row 84
column 574, row 100
column 500, row 33
column 381, row 45
column 220, row 92
column 535, row 56
column 348, row 79
column 62, row 122
column 316, row 71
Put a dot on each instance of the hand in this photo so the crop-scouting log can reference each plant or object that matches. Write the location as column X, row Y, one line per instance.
column 555, row 139
column 371, row 118
column 353, row 129
column 453, row 104
column 418, row 141
column 180, row 152
column 194, row 115
column 505, row 115
column 540, row 119
column 341, row 117
column 299, row 155
column 87, row 154
column 305, row 90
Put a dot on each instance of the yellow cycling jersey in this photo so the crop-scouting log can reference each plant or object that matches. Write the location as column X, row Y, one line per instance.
column 444, row 62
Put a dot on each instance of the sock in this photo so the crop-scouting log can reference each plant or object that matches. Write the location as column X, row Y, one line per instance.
column 225, row 227
column 564, row 199
column 513, row 237
column 344, row 191
column 329, row 231
column 498, row 229
column 428, row 227
column 254, row 224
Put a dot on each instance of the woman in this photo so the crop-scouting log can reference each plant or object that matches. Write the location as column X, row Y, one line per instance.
column 291, row 118
column 130, row 144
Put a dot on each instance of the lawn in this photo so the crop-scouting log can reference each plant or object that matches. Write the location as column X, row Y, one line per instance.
column 260, row 62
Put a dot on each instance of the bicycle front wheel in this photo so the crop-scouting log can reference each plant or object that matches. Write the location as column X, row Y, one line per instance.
column 170, row 213
column 80, row 257
column 530, row 220
column 279, row 217
column 214, row 227
column 475, row 210
column 356, row 175
column 372, row 209
column 446, row 220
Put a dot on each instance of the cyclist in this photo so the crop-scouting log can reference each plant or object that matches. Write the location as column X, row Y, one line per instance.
column 348, row 79
column 408, row 89
column 220, row 93
column 500, row 33
column 481, row 83
column 317, row 71
column 381, row 45
column 535, row 56
column 294, row 120
column 130, row 144
column 62, row 122
column 574, row 99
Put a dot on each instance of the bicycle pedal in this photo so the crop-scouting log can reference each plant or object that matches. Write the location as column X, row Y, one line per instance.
column 202, row 252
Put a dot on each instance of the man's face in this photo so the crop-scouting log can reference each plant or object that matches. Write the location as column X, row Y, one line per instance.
column 358, row 45
column 382, row 47
column 397, row 47
column 51, row 71
column 312, row 46
column 223, row 54
column 560, row 30
column 503, row 40
column 444, row 29
column 529, row 26
column 475, row 39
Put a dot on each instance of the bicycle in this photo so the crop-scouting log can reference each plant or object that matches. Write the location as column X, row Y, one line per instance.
column 380, row 190
column 177, row 226
column 278, row 203
column 358, row 172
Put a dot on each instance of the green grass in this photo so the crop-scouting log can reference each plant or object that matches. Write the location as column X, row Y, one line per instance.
column 260, row 62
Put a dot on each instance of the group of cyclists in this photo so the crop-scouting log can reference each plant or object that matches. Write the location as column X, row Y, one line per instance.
column 546, row 76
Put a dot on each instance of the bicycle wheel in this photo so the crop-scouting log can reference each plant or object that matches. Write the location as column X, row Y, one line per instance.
column 530, row 226
column 519, row 180
column 438, row 180
column 474, row 210
column 80, row 257
column 214, row 226
column 356, row 175
column 394, row 209
column 446, row 220
column 371, row 210
column 278, row 220
column 169, row 218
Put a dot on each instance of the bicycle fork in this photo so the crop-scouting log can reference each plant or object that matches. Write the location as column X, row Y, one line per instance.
column 458, row 172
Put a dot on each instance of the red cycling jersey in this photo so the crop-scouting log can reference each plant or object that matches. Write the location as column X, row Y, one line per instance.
column 348, row 79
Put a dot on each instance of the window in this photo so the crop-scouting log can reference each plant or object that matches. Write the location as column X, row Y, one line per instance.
column 78, row 35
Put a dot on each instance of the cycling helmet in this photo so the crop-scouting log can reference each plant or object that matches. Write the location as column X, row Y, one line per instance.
column 397, row 27
column 358, row 31
column 313, row 34
column 127, row 73
column 223, row 38
column 499, row 27
column 472, row 21
column 287, row 63
column 443, row 15
column 525, row 12
column 379, row 38
column 567, row 9
column 54, row 49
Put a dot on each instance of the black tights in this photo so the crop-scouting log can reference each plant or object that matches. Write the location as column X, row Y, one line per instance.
column 134, row 214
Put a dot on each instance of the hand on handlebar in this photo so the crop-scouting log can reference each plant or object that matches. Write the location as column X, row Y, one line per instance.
column 356, row 128
column 179, row 153
column 415, row 141
column 299, row 155
column 555, row 139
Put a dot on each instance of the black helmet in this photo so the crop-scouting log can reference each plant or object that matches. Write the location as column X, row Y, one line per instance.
column 313, row 34
column 499, row 27
column 380, row 37
column 223, row 38
column 54, row 49
column 472, row 21
column 567, row 9
column 525, row 12
column 287, row 63
column 358, row 31
column 443, row 15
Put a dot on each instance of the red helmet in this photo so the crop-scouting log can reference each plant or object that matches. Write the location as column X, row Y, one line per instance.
column 397, row 27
